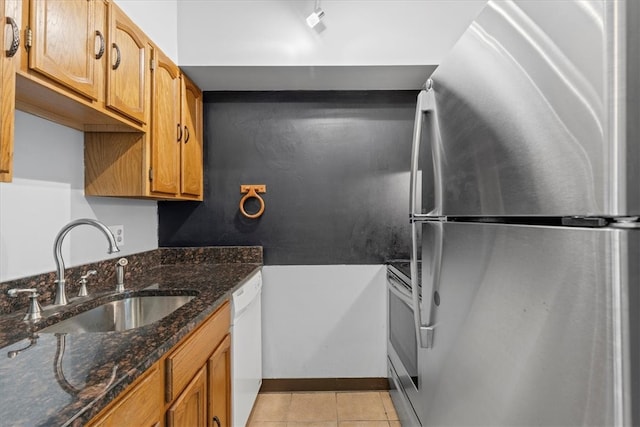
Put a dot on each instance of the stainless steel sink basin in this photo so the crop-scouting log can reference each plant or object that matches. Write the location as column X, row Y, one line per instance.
column 128, row 313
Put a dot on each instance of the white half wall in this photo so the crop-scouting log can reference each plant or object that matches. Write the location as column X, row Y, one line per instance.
column 326, row 321
column 47, row 192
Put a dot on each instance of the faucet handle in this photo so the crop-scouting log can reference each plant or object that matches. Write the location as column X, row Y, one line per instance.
column 15, row 291
column 83, row 282
column 34, row 312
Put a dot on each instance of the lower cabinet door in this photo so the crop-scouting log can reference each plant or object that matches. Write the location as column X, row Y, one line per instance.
column 219, row 371
column 190, row 409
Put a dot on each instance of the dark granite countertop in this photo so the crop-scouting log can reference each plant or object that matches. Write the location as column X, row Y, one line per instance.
column 66, row 379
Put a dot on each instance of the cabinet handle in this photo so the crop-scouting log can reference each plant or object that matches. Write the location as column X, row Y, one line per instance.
column 117, row 64
column 186, row 134
column 101, row 49
column 15, row 37
column 179, row 132
column 217, row 421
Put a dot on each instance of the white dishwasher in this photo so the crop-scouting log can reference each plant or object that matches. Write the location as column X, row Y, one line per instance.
column 246, row 348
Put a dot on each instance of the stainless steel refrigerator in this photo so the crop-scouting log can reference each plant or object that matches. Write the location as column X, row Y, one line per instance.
column 525, row 197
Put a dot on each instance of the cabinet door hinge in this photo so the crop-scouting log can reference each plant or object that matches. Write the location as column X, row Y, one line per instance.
column 152, row 64
column 150, row 174
column 28, row 38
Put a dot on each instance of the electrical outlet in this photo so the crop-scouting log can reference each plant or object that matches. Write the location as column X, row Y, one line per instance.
column 118, row 233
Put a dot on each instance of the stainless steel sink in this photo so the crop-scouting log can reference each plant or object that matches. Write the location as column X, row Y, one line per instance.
column 128, row 313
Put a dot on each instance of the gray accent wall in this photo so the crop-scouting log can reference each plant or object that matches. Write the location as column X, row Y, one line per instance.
column 336, row 167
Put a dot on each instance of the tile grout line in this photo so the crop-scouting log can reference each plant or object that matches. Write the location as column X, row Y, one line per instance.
column 388, row 411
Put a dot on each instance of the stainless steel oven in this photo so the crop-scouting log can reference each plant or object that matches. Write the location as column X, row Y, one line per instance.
column 402, row 345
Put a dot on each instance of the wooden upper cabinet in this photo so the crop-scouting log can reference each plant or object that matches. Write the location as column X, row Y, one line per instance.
column 176, row 132
column 166, row 162
column 191, row 147
column 61, row 64
column 166, row 132
column 4, row 165
column 127, row 76
column 65, row 43
column 10, row 29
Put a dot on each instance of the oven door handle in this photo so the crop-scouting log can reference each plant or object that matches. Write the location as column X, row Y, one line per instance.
column 397, row 288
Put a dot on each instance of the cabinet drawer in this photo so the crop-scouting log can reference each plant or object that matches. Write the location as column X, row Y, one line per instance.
column 140, row 406
column 192, row 354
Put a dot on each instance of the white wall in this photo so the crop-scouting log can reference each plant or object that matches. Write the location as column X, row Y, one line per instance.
column 47, row 192
column 266, row 44
column 325, row 321
column 359, row 45
column 158, row 19
column 355, row 32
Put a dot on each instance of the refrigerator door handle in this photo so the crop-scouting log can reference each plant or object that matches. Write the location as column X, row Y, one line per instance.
column 423, row 304
column 424, row 104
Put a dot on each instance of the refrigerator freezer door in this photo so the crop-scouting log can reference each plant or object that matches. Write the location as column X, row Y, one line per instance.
column 535, row 113
column 530, row 328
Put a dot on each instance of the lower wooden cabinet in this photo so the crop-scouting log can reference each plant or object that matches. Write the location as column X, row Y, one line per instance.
column 190, row 408
column 190, row 386
column 140, row 405
column 219, row 393
column 206, row 400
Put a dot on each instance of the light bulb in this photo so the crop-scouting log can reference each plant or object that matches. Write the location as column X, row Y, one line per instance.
column 314, row 18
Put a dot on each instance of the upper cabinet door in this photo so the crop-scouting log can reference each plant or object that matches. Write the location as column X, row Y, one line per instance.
column 7, row 87
column 64, row 43
column 166, row 132
column 127, row 75
column 191, row 158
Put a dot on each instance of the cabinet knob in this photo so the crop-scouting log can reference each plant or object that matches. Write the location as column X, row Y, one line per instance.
column 216, row 420
column 179, row 132
column 186, row 134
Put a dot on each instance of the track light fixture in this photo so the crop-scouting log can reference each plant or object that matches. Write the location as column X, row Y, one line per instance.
column 316, row 15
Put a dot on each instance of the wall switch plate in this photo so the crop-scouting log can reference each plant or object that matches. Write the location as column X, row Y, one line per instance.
column 118, row 233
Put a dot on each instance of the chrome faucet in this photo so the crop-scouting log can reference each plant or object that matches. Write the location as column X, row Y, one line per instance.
column 61, row 297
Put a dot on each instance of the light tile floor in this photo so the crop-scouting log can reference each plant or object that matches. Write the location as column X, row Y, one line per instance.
column 324, row 409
